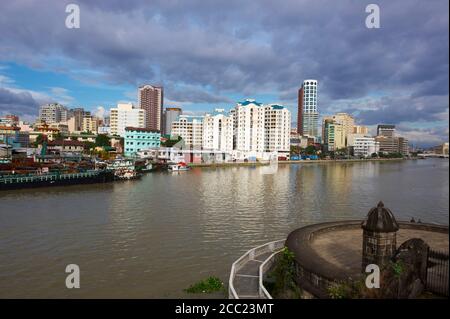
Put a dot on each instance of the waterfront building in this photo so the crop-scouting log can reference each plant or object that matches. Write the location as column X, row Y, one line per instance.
column 65, row 146
column 125, row 115
column 249, row 124
column 386, row 130
column 348, row 123
column 363, row 146
column 277, row 129
column 308, row 115
column 177, row 155
column 138, row 138
column 360, row 129
column 218, row 131
column 53, row 113
column 190, row 129
column 150, row 99
column 441, row 149
column 170, row 115
column 333, row 135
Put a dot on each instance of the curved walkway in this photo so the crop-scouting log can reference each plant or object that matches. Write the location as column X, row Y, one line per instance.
column 247, row 272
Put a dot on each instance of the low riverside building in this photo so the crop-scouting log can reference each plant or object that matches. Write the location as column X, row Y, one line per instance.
column 363, row 146
column 64, row 146
column 137, row 139
column 176, row 155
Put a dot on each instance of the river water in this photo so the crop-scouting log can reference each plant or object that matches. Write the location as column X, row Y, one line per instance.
column 154, row 237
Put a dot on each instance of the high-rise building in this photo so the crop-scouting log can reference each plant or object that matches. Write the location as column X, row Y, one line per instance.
column 308, row 115
column 360, row 129
column 249, row 124
column 53, row 113
column 125, row 115
column 170, row 115
column 347, row 121
column 151, row 99
column 90, row 124
column 387, row 130
column 277, row 129
column 190, row 129
column 218, row 131
column 333, row 134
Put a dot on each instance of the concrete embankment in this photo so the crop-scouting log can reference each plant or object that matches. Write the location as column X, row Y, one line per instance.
column 252, row 164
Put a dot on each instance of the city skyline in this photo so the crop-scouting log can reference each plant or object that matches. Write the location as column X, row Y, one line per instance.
column 206, row 61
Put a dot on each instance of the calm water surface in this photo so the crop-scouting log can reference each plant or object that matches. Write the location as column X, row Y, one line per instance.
column 154, row 237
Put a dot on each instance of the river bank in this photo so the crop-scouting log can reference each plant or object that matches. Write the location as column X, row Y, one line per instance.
column 234, row 164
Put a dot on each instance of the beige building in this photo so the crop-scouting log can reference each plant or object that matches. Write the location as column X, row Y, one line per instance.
column 90, row 124
column 190, row 128
column 360, row 129
column 125, row 115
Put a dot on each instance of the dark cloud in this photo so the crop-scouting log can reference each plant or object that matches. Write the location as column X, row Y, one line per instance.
column 247, row 48
column 19, row 103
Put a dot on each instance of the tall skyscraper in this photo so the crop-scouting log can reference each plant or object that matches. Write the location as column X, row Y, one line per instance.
column 170, row 115
column 150, row 99
column 308, row 115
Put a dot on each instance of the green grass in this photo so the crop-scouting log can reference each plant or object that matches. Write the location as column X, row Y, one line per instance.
column 208, row 285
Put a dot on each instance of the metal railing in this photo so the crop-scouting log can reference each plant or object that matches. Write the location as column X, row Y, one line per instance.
column 437, row 272
column 273, row 247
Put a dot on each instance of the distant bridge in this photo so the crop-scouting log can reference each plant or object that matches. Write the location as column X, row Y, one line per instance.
column 425, row 155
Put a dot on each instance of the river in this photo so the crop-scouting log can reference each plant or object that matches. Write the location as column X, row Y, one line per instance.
column 153, row 237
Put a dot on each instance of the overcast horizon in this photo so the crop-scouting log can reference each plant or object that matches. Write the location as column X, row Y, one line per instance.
column 211, row 54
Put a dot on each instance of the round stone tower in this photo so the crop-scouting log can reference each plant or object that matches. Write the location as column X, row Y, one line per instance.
column 379, row 236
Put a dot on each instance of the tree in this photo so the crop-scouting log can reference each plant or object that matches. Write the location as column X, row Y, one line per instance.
column 102, row 140
column 40, row 139
column 310, row 150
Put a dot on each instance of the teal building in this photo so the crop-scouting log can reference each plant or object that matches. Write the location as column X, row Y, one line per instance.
column 137, row 139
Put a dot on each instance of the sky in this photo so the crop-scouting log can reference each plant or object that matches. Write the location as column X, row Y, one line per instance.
column 211, row 54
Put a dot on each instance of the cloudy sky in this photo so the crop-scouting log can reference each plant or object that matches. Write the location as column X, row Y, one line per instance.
column 211, row 54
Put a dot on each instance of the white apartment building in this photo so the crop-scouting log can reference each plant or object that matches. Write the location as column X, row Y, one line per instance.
column 53, row 113
column 277, row 129
column 249, row 117
column 126, row 115
column 363, row 146
column 190, row 128
column 218, row 131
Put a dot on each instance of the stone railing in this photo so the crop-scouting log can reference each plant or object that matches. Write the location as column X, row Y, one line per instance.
column 273, row 247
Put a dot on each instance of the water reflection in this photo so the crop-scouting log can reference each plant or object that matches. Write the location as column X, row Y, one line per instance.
column 154, row 237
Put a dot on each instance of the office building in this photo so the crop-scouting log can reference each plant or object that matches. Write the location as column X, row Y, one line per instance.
column 125, row 115
column 170, row 115
column 308, row 115
column 150, row 99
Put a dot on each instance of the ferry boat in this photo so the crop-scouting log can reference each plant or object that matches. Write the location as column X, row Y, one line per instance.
column 178, row 167
column 19, row 181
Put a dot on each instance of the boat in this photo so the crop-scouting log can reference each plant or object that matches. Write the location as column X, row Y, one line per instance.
column 126, row 174
column 178, row 167
column 44, row 179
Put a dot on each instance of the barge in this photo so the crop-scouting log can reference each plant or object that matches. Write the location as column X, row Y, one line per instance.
column 13, row 181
